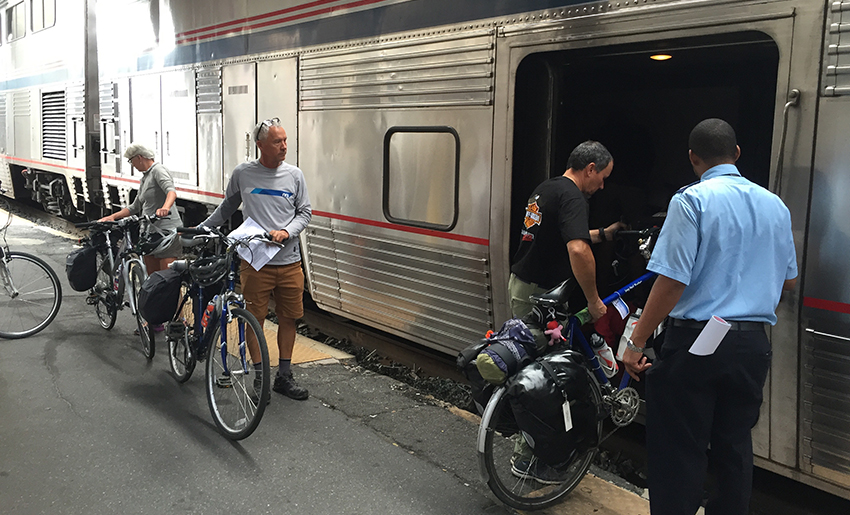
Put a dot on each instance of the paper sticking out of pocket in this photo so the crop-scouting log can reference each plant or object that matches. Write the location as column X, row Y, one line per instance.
column 710, row 337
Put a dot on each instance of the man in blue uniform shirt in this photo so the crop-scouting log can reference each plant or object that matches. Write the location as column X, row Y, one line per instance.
column 726, row 249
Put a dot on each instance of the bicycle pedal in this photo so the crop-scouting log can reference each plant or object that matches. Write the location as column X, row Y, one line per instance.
column 223, row 382
column 92, row 301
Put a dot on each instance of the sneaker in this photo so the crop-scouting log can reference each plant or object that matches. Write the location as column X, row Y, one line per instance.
column 604, row 355
column 286, row 385
column 540, row 472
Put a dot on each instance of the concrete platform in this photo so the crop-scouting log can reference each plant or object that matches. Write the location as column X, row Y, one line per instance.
column 90, row 426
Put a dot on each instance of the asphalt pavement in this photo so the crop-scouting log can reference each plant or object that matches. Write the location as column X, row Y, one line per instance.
column 88, row 425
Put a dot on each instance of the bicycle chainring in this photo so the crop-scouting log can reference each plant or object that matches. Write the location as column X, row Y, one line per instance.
column 624, row 406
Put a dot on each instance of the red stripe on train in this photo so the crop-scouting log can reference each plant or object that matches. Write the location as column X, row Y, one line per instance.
column 257, row 17
column 11, row 158
column 828, row 305
column 181, row 41
column 405, row 228
column 187, row 190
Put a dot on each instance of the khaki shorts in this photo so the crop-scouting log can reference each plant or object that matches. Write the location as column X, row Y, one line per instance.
column 285, row 282
column 520, row 291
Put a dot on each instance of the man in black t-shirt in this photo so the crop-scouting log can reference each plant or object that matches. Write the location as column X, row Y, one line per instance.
column 556, row 241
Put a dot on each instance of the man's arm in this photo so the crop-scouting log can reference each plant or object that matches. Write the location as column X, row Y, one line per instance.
column 584, row 269
column 228, row 206
column 303, row 214
column 662, row 299
column 609, row 231
column 789, row 284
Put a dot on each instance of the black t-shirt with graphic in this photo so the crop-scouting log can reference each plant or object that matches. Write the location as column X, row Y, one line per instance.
column 557, row 213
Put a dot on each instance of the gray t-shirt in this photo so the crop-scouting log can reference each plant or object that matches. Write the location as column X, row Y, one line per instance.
column 153, row 188
column 275, row 198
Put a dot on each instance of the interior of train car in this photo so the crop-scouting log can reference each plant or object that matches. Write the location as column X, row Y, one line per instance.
column 642, row 110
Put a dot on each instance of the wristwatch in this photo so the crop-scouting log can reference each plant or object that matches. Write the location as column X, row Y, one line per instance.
column 634, row 348
column 602, row 234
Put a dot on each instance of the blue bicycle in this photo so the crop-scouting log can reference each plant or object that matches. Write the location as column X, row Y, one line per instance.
column 211, row 324
column 498, row 433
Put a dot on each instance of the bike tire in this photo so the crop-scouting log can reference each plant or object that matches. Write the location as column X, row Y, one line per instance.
column 181, row 356
column 235, row 404
column 495, row 449
column 104, row 308
column 146, row 334
column 38, row 298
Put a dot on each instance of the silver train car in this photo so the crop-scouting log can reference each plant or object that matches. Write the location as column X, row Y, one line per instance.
column 422, row 127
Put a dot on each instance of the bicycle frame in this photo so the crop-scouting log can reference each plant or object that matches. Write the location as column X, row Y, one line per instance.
column 582, row 317
column 221, row 316
column 121, row 275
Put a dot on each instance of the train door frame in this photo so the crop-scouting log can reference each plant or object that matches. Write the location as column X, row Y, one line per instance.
column 146, row 113
column 239, row 115
column 791, row 25
column 277, row 97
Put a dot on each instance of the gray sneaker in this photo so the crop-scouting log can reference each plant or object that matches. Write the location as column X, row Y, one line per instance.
column 524, row 468
column 286, row 385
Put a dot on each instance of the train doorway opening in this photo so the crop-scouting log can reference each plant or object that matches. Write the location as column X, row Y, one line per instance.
column 642, row 109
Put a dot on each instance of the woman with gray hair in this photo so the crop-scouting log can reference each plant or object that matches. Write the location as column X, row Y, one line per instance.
column 157, row 195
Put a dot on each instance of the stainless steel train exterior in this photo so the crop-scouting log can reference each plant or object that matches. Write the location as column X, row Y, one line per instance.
column 421, row 127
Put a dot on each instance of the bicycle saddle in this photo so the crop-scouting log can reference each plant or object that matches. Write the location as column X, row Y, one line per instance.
column 557, row 295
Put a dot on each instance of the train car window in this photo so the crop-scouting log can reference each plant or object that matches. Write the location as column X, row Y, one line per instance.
column 16, row 25
column 421, row 171
column 43, row 14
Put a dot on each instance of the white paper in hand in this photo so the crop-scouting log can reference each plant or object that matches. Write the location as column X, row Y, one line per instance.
column 258, row 252
column 710, row 337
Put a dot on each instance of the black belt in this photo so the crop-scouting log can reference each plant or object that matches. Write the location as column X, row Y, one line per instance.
column 697, row 324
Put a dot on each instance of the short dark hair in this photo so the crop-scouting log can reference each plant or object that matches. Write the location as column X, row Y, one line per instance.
column 713, row 140
column 589, row 152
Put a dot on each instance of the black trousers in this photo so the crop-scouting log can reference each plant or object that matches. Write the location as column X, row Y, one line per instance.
column 696, row 401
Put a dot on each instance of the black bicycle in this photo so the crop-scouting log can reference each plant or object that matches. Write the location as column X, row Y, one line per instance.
column 211, row 324
column 119, row 261
column 31, row 293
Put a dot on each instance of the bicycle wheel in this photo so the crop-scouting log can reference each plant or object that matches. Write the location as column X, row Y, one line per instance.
column 105, row 307
column 31, row 295
column 237, row 395
column 496, row 437
column 181, row 357
column 146, row 334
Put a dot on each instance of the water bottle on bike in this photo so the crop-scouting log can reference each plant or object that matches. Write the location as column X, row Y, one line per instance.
column 604, row 355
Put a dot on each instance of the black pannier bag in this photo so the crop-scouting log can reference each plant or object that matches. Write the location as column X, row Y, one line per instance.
column 159, row 296
column 81, row 268
column 537, row 394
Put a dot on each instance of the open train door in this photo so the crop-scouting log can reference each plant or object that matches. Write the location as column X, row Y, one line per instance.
column 587, row 73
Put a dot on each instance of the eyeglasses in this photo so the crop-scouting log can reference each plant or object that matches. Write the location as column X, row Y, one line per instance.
column 265, row 123
column 131, row 159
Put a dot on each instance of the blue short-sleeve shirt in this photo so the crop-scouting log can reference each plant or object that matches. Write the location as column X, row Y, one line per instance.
column 729, row 241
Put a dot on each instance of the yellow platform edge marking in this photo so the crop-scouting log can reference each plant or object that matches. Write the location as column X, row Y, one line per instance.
column 306, row 350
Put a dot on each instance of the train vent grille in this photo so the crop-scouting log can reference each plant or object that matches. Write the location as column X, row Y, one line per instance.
column 53, row 137
column 434, row 71
column 208, row 87
column 837, row 59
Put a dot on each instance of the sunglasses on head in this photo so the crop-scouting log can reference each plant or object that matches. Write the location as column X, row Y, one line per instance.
column 265, row 123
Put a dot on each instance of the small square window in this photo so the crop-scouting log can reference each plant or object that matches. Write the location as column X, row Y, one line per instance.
column 421, row 170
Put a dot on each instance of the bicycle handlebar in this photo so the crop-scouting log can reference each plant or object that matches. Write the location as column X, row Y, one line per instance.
column 130, row 220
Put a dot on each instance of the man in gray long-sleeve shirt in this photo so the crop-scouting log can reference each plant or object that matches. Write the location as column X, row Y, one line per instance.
column 274, row 195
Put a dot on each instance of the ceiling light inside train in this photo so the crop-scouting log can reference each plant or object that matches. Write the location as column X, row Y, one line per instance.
column 660, row 57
